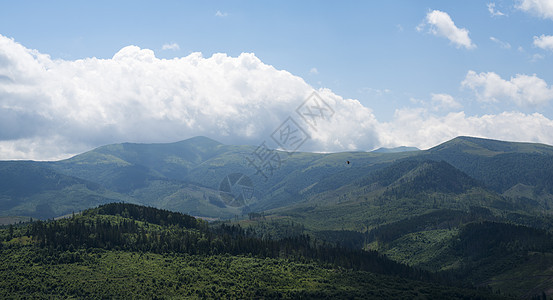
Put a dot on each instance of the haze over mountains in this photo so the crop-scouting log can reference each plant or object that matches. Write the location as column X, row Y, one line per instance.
column 186, row 176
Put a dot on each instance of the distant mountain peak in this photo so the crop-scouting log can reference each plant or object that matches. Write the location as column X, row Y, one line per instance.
column 489, row 147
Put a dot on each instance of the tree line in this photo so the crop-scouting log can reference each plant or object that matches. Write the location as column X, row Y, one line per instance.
column 137, row 228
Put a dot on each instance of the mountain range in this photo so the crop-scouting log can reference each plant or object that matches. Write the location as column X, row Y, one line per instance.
column 471, row 209
column 186, row 176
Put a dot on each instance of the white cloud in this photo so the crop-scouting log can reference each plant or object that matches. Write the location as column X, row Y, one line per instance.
column 501, row 43
column 522, row 89
column 420, row 128
column 540, row 8
column 544, row 41
column 138, row 97
column 314, row 71
column 494, row 12
column 444, row 102
column 442, row 25
column 221, row 14
column 171, row 46
column 52, row 109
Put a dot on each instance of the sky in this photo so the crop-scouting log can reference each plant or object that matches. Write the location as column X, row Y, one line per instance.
column 75, row 75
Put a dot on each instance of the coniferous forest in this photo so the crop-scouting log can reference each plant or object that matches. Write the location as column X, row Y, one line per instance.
column 126, row 250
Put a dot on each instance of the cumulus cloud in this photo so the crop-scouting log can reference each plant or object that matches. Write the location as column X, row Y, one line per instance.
column 544, row 41
column 442, row 25
column 314, row 71
column 540, row 8
column 501, row 43
column 54, row 108
column 171, row 46
column 494, row 12
column 138, row 97
column 421, row 128
column 522, row 89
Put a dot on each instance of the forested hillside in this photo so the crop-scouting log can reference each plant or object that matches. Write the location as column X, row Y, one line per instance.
column 124, row 250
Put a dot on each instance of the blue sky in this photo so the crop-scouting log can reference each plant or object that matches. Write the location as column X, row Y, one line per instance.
column 388, row 55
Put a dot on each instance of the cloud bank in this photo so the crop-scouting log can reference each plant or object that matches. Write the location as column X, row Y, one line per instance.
column 53, row 108
column 523, row 90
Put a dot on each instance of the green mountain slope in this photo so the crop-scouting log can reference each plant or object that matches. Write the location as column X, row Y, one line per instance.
column 400, row 190
column 413, row 176
column 172, row 160
column 430, row 215
column 169, row 175
column 500, row 165
column 33, row 190
column 481, row 252
column 186, row 176
column 160, row 174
